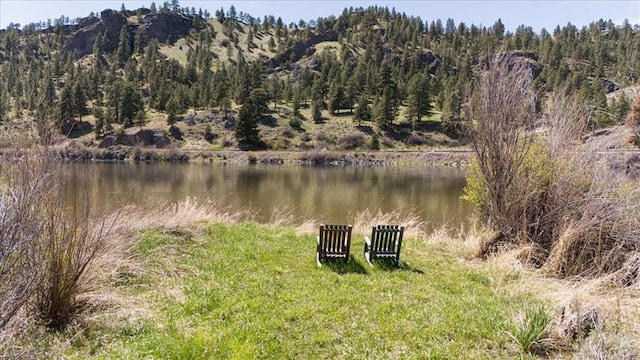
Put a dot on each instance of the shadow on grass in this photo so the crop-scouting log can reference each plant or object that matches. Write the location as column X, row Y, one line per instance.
column 365, row 129
column 389, row 265
column 352, row 267
column 269, row 121
column 429, row 125
column 81, row 128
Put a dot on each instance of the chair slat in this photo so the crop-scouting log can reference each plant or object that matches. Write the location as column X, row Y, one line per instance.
column 386, row 241
column 334, row 242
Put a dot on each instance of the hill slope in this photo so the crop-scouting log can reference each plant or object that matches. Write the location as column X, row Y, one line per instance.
column 368, row 79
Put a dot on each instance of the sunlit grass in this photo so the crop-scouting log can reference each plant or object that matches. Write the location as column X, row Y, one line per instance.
column 249, row 291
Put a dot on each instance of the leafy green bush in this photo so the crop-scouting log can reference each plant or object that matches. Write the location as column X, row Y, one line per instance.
column 374, row 143
column 295, row 123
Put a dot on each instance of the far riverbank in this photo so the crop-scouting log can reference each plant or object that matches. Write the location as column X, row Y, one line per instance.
column 449, row 157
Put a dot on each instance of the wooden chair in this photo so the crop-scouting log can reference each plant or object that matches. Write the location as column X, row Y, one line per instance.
column 334, row 242
column 385, row 243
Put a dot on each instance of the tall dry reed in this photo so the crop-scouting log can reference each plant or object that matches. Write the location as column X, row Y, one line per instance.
column 544, row 189
column 46, row 245
column 25, row 184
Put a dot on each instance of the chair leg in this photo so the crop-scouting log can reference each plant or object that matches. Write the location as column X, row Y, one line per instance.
column 367, row 250
column 318, row 259
column 367, row 255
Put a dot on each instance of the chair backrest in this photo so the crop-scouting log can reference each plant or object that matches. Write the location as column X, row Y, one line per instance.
column 386, row 239
column 335, row 239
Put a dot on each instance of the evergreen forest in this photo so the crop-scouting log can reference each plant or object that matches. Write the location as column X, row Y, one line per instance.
column 369, row 78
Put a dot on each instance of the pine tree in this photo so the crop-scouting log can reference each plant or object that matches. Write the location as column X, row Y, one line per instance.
column 124, row 50
column 250, row 40
column 64, row 112
column 336, row 97
column 171, row 113
column 141, row 118
column 385, row 108
column 99, row 128
column 98, row 46
column 363, row 110
column 316, row 111
column 250, row 112
column 621, row 107
column 295, row 103
column 419, row 101
column 113, row 100
column 3, row 106
column 79, row 101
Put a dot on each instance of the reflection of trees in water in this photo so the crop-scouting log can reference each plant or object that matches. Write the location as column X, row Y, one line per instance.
column 325, row 193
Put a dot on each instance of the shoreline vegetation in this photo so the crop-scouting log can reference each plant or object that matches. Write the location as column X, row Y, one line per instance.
column 550, row 268
column 196, row 281
column 447, row 157
column 455, row 158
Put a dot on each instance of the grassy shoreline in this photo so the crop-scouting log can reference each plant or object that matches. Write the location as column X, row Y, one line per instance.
column 189, row 285
column 253, row 291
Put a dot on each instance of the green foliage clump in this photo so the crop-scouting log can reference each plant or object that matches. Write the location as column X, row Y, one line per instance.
column 295, row 122
column 531, row 332
column 475, row 190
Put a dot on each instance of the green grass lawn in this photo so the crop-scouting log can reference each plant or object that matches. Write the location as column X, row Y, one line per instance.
column 252, row 292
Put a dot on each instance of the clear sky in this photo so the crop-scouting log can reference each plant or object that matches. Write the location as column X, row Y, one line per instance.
column 538, row 14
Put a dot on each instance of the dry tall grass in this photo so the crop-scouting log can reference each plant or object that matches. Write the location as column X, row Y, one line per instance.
column 25, row 183
column 74, row 240
column 542, row 191
column 590, row 318
column 45, row 249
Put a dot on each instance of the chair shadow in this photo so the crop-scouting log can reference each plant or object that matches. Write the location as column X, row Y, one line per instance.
column 352, row 267
column 389, row 265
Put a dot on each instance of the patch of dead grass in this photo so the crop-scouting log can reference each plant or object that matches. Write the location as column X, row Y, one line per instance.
column 616, row 331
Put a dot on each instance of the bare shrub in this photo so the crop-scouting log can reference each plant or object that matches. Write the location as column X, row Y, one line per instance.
column 633, row 118
column 541, row 190
column 352, row 140
column 594, row 210
column 416, row 139
column 74, row 239
column 322, row 137
column 45, row 249
column 24, row 186
column 503, row 111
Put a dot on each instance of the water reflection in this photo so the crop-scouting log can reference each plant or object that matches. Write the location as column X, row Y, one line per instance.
column 329, row 194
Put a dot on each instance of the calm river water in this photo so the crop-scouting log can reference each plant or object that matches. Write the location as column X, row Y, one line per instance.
column 328, row 194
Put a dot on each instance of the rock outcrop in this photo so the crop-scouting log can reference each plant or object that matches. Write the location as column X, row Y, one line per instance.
column 80, row 43
column 162, row 26
column 165, row 25
column 302, row 48
column 609, row 86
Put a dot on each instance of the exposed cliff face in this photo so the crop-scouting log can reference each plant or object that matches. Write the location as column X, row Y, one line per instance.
column 160, row 26
column 302, row 48
column 81, row 41
column 163, row 25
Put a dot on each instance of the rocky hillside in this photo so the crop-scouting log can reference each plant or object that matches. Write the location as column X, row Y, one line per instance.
column 368, row 79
